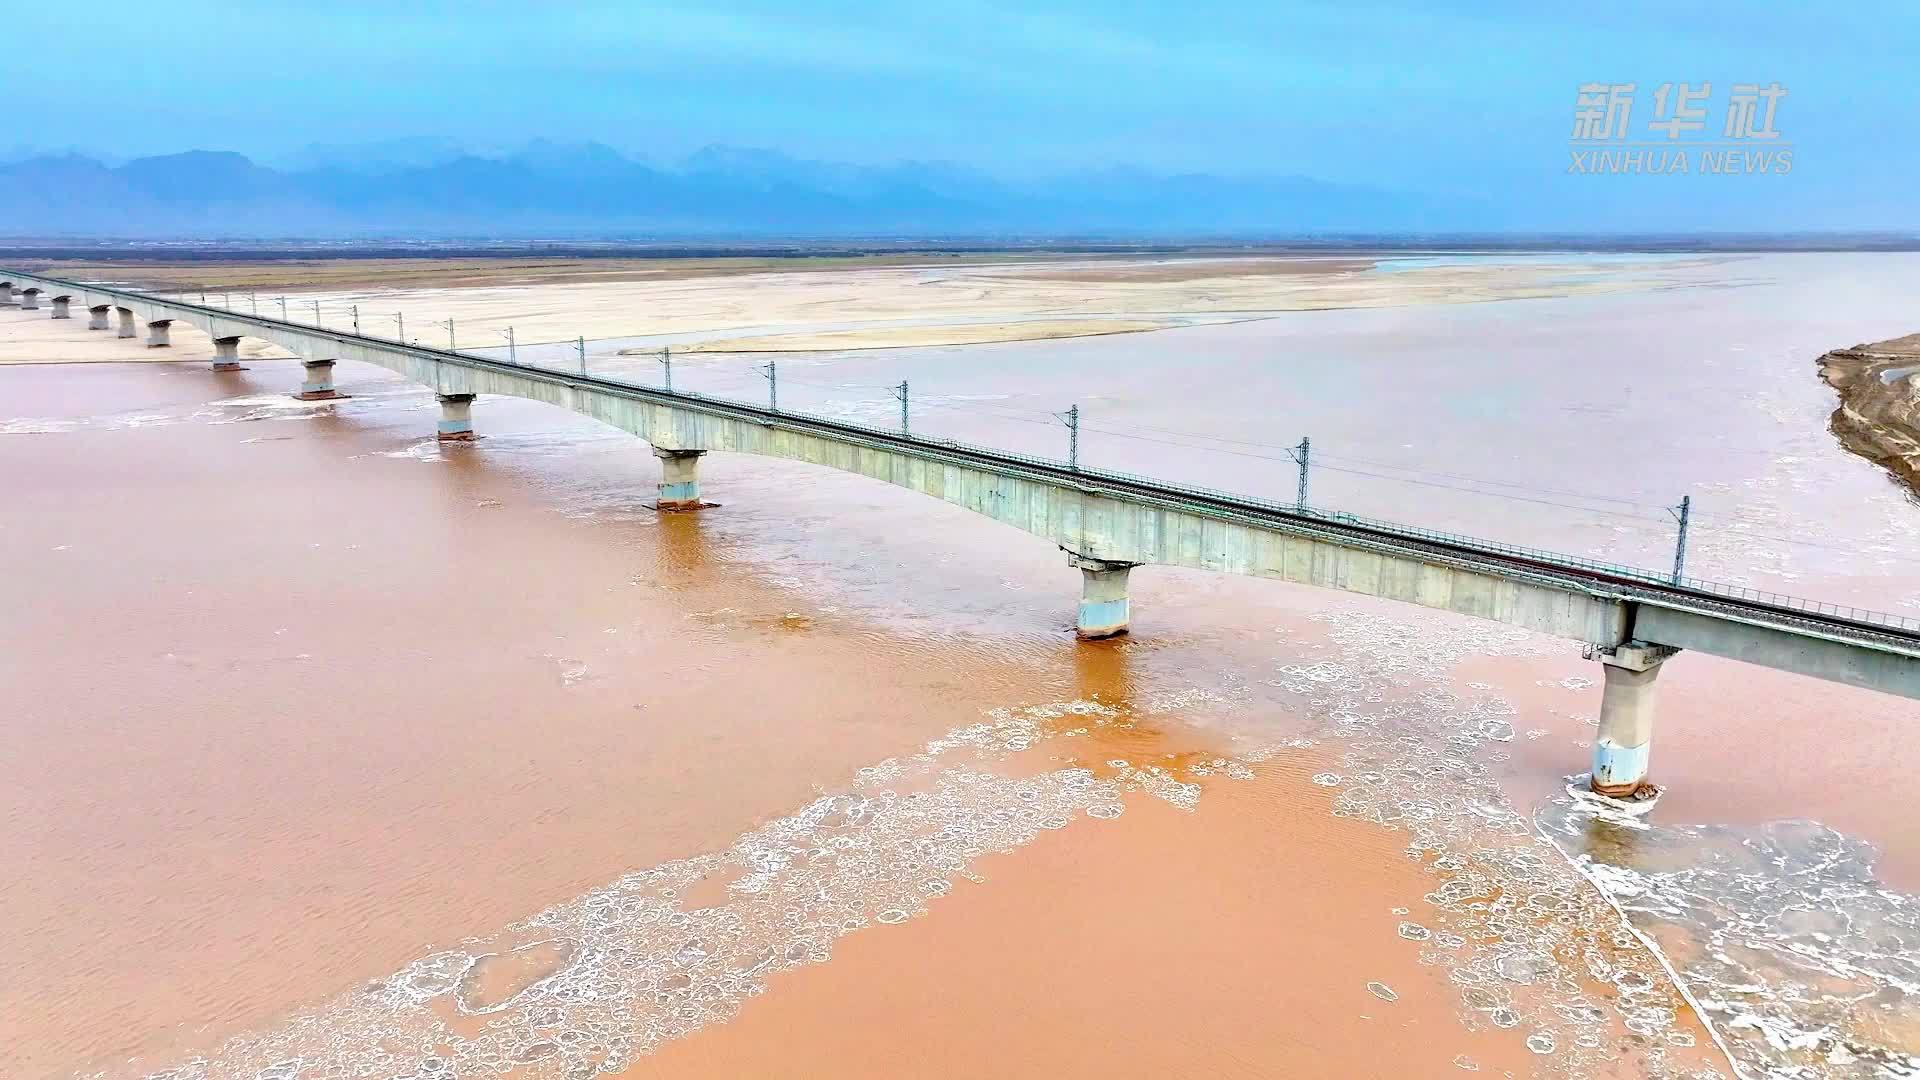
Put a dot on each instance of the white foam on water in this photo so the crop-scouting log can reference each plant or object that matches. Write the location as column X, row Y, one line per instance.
column 641, row 967
column 39, row 425
column 1797, row 961
column 1527, row 942
column 1537, row 936
column 427, row 449
column 1801, row 958
column 233, row 410
column 252, row 407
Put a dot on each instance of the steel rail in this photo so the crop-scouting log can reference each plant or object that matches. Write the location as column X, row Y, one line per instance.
column 1562, row 571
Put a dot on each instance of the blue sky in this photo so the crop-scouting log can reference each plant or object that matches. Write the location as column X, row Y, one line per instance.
column 1452, row 98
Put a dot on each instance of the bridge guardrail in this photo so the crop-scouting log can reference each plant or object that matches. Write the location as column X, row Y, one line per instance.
column 1863, row 616
column 1554, row 558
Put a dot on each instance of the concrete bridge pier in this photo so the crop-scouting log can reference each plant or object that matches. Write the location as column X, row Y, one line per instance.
column 6, row 293
column 30, row 300
column 97, row 316
column 456, row 417
column 226, row 354
column 60, row 307
column 1105, row 609
column 679, row 479
column 1622, row 745
column 126, row 324
column 157, row 334
column 318, row 383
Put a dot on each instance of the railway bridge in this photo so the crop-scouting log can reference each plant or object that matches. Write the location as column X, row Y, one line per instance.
column 1107, row 523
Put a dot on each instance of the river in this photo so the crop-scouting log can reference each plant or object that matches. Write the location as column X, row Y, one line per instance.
column 335, row 752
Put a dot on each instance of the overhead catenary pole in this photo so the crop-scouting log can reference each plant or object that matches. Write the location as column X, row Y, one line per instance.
column 773, row 385
column 1681, row 514
column 901, row 393
column 581, row 344
column 666, row 361
column 449, row 325
column 316, row 313
column 400, row 319
column 513, row 348
column 283, row 310
column 1072, row 419
column 356, row 318
column 1300, row 456
column 255, row 300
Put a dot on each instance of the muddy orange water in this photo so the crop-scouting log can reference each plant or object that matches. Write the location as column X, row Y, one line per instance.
column 328, row 751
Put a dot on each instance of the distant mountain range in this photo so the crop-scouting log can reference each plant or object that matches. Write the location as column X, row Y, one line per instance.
column 433, row 188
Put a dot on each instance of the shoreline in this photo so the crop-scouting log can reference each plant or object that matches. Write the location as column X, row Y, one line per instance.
column 1878, row 417
column 942, row 336
column 319, row 272
column 842, row 304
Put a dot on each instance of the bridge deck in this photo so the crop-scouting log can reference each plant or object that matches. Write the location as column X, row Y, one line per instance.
column 1829, row 641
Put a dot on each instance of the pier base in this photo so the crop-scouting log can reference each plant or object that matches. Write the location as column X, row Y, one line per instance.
column 1623, row 744
column 6, row 293
column 456, row 417
column 97, row 317
column 679, row 479
column 1105, row 609
column 226, row 354
column 157, row 337
column 318, row 383
column 60, row 307
column 30, row 300
column 126, row 324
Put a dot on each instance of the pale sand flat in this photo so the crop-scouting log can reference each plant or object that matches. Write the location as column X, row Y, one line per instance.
column 755, row 298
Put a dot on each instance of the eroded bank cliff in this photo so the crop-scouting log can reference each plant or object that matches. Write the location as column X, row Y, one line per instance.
column 1879, row 413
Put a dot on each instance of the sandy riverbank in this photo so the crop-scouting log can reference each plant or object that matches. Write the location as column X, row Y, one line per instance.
column 904, row 337
column 37, row 338
column 306, row 274
column 1879, row 413
column 804, row 304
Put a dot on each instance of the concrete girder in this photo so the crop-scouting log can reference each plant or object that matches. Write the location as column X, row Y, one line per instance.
column 1099, row 523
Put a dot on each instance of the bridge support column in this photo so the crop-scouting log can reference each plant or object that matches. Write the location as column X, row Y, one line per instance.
column 30, row 300
column 679, row 479
column 1625, row 739
column 1105, row 609
column 456, row 417
column 157, row 334
column 6, row 293
column 126, row 324
column 226, row 354
column 318, row 384
column 60, row 307
column 97, row 317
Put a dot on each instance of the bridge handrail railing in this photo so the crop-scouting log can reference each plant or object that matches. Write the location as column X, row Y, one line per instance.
column 1551, row 558
column 1862, row 616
